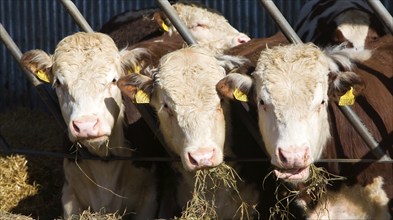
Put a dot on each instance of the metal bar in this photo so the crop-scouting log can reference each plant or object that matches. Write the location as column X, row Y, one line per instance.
column 15, row 52
column 382, row 14
column 44, row 93
column 348, row 111
column 78, row 17
column 363, row 132
column 280, row 20
column 179, row 25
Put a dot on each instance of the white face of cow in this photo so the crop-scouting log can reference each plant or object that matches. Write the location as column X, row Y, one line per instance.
column 290, row 88
column 189, row 109
column 84, row 70
column 353, row 27
column 291, row 91
column 210, row 29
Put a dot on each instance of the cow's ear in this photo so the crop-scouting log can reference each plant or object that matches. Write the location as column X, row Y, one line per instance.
column 132, row 60
column 236, row 86
column 162, row 20
column 39, row 64
column 344, row 87
column 231, row 63
column 137, row 87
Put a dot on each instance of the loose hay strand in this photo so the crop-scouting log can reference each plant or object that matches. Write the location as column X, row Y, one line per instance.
column 91, row 180
column 316, row 188
column 207, row 182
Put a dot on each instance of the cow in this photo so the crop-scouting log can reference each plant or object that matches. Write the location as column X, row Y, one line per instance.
column 333, row 22
column 84, row 70
column 209, row 28
column 192, row 117
column 295, row 89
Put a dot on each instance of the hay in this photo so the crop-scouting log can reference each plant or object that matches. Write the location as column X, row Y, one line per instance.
column 315, row 189
column 207, row 182
column 14, row 184
column 101, row 215
column 35, row 130
column 9, row 216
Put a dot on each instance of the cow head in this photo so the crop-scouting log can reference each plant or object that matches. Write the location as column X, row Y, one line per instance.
column 291, row 85
column 354, row 28
column 190, row 112
column 210, row 29
column 84, row 71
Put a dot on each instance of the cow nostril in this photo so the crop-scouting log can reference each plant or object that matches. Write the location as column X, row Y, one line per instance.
column 76, row 128
column 242, row 41
column 282, row 157
column 192, row 160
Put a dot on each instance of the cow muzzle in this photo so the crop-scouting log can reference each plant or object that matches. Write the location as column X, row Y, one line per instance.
column 87, row 128
column 240, row 39
column 292, row 163
column 202, row 158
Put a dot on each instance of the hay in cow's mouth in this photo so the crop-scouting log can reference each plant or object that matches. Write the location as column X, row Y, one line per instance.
column 315, row 187
column 202, row 204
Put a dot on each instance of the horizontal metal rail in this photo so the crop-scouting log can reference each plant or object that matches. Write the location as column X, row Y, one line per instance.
column 348, row 111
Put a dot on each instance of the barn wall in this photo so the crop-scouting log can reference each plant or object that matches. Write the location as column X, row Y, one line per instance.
column 40, row 24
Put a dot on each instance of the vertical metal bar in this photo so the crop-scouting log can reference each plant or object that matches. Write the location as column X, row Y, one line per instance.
column 179, row 25
column 281, row 21
column 348, row 111
column 382, row 13
column 78, row 17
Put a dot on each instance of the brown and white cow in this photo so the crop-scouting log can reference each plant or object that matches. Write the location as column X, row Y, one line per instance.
column 292, row 86
column 192, row 117
column 209, row 28
column 84, row 71
column 330, row 22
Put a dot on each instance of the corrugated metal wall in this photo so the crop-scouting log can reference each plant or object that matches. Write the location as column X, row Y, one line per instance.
column 40, row 24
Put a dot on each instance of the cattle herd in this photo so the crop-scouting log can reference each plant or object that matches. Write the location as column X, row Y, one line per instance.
column 291, row 91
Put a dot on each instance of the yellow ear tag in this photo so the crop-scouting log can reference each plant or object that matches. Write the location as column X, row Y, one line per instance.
column 43, row 76
column 164, row 26
column 347, row 99
column 239, row 95
column 142, row 97
column 137, row 70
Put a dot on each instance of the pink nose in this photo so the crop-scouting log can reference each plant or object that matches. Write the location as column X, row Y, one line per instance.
column 85, row 126
column 241, row 39
column 293, row 157
column 202, row 158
